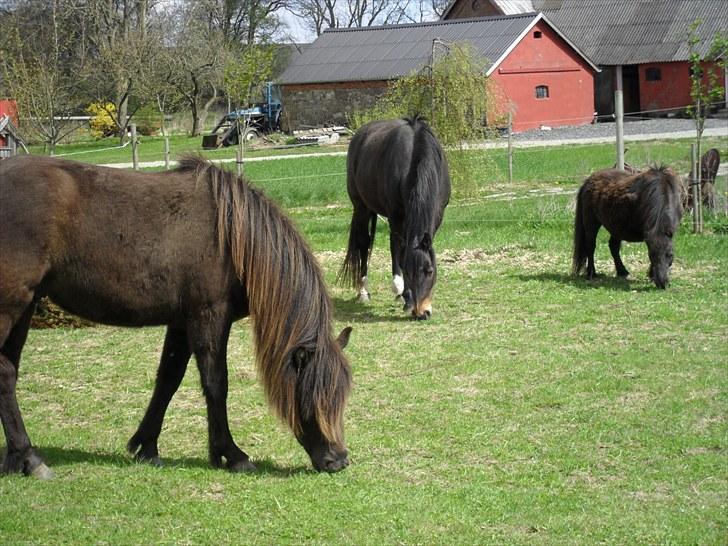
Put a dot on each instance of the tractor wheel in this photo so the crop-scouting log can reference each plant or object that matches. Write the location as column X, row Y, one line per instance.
column 251, row 134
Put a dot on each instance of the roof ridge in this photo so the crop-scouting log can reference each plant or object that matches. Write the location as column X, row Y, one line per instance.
column 446, row 22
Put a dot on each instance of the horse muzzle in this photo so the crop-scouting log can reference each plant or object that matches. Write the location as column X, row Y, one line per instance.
column 423, row 309
column 332, row 461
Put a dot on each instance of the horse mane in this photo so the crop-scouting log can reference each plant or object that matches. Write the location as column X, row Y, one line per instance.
column 661, row 192
column 289, row 305
column 423, row 177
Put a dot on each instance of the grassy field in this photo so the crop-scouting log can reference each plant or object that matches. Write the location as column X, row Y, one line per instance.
column 534, row 408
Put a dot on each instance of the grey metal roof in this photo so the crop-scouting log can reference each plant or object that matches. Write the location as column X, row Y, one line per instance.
column 391, row 51
column 638, row 31
column 612, row 32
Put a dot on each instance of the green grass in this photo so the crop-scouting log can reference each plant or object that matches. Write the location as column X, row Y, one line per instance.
column 534, row 408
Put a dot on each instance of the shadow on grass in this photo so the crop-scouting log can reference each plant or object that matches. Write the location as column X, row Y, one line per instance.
column 352, row 310
column 59, row 457
column 601, row 281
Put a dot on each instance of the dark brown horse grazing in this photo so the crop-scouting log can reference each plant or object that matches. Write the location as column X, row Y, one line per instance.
column 195, row 249
column 397, row 168
column 646, row 206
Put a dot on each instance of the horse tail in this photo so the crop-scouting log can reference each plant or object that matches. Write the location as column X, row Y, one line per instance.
column 580, row 252
column 351, row 269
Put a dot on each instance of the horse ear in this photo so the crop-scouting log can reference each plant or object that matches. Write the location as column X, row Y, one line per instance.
column 343, row 339
column 425, row 242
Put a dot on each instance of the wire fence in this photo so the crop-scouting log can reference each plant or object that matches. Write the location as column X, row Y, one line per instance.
column 520, row 155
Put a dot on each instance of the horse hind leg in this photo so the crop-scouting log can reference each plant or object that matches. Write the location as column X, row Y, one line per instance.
column 614, row 247
column 20, row 455
column 590, row 242
column 363, row 226
column 172, row 367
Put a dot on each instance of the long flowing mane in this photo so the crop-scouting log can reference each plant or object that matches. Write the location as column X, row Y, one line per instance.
column 288, row 301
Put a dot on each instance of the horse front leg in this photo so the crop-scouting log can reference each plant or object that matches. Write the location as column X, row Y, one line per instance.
column 614, row 247
column 208, row 338
column 20, row 455
column 396, row 248
column 172, row 366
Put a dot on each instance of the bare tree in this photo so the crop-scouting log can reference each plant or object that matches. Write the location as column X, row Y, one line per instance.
column 125, row 52
column 318, row 15
column 197, row 58
column 34, row 68
column 241, row 21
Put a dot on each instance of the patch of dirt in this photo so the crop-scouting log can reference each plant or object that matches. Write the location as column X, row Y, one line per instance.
column 49, row 315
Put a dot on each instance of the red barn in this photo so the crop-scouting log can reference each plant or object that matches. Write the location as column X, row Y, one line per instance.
column 646, row 41
column 545, row 79
column 8, row 108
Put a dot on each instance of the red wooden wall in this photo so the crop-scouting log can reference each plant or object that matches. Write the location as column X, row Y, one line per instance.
column 546, row 61
column 672, row 90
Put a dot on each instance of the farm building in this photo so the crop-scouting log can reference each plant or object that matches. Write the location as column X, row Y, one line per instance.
column 542, row 74
column 9, row 138
column 647, row 40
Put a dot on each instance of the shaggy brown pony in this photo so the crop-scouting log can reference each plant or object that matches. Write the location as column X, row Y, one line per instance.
column 195, row 248
column 644, row 206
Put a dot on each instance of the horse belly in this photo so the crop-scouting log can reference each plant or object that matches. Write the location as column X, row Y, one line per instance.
column 111, row 298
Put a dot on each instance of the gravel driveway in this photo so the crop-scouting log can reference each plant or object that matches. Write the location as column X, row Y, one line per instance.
column 668, row 127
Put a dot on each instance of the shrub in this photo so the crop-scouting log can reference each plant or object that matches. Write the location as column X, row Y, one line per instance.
column 102, row 122
column 458, row 100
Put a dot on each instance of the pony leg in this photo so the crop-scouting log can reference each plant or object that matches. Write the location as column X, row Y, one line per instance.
column 208, row 338
column 20, row 456
column 614, row 246
column 363, row 241
column 172, row 366
column 590, row 242
column 395, row 248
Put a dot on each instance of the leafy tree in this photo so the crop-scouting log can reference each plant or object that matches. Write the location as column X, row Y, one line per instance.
column 456, row 97
column 705, row 89
column 246, row 71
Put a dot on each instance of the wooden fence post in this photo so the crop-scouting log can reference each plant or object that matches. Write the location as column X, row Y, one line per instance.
column 166, row 153
column 134, row 148
column 510, row 147
column 619, row 118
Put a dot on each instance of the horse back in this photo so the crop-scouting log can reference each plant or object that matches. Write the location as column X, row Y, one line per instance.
column 110, row 245
column 378, row 165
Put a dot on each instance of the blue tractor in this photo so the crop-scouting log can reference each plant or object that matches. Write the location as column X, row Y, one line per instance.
column 258, row 119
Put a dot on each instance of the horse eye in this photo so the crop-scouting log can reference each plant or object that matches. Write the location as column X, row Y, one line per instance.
column 427, row 271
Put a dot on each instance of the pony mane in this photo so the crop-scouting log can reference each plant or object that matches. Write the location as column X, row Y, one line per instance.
column 661, row 193
column 423, row 176
column 289, row 305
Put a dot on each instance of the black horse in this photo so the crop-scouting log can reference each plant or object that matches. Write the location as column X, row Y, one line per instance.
column 397, row 168
column 195, row 249
column 645, row 206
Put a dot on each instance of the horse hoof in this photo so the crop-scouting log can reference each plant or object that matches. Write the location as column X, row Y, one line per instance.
column 242, row 466
column 42, row 472
column 363, row 297
column 151, row 461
